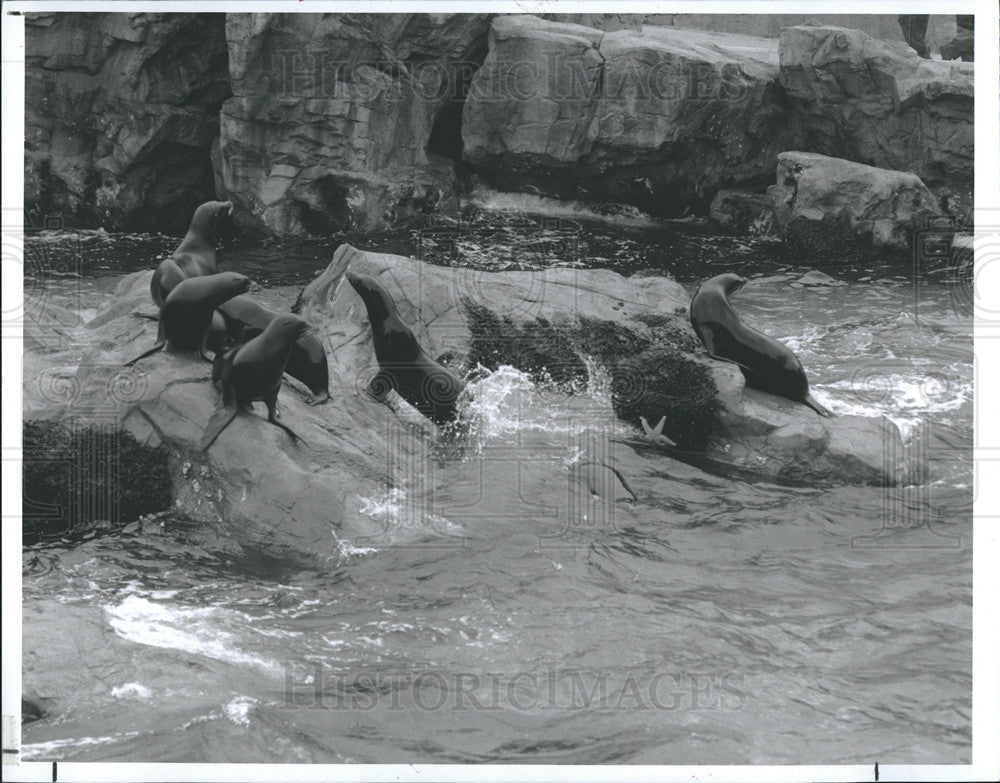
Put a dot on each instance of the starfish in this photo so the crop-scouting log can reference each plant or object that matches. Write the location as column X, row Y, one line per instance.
column 655, row 434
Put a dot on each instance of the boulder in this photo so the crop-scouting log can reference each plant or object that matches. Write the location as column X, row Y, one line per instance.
column 660, row 119
column 340, row 120
column 877, row 102
column 823, row 205
column 120, row 113
column 274, row 495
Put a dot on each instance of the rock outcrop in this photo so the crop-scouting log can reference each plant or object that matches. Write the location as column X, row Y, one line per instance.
column 271, row 493
column 341, row 120
column 877, row 102
column 660, row 120
column 823, row 205
column 120, row 113
column 313, row 123
column 664, row 117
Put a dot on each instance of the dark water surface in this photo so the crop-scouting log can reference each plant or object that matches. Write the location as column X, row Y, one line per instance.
column 716, row 619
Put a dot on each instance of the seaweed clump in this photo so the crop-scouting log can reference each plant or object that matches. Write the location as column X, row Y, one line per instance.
column 653, row 369
column 79, row 479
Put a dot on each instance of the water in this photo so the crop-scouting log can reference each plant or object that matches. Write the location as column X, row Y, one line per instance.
column 713, row 619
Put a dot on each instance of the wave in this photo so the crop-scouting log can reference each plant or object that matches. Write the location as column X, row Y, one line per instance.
column 624, row 215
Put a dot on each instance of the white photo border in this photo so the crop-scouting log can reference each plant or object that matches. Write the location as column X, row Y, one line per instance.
column 986, row 532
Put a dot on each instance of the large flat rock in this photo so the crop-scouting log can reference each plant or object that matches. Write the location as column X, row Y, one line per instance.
column 274, row 495
column 823, row 204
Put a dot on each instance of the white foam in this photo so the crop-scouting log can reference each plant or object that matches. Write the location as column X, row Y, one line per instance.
column 238, row 710
column 39, row 750
column 133, row 690
column 532, row 204
column 199, row 631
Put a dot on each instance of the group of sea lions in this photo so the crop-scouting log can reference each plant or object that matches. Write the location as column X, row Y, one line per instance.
column 203, row 309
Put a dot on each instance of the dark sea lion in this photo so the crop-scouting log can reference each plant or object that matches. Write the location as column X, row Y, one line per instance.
column 252, row 372
column 766, row 364
column 306, row 362
column 187, row 312
column 403, row 364
column 195, row 255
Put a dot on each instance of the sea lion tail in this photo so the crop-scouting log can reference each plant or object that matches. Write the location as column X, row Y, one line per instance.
column 817, row 407
column 221, row 419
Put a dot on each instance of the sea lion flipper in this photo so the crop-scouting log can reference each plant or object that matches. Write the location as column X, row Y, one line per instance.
column 220, row 364
column 272, row 416
column 707, row 338
column 147, row 316
column 203, row 350
column 150, row 352
column 221, row 419
column 817, row 407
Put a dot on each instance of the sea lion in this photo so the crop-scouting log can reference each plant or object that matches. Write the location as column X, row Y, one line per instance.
column 195, row 255
column 766, row 364
column 187, row 312
column 403, row 364
column 307, row 360
column 252, row 372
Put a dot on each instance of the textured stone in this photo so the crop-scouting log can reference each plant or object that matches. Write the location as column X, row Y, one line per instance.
column 266, row 492
column 660, row 120
column 877, row 102
column 342, row 119
column 120, row 113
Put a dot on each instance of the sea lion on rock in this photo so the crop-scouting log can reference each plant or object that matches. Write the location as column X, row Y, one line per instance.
column 252, row 372
column 195, row 255
column 187, row 312
column 242, row 318
column 766, row 364
column 403, row 364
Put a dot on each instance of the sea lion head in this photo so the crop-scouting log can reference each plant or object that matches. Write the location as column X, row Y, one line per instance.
column 234, row 282
column 206, row 218
column 376, row 300
column 288, row 327
column 731, row 283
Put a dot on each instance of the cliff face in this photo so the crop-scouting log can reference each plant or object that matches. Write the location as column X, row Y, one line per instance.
column 659, row 119
column 120, row 114
column 877, row 102
column 333, row 117
column 664, row 117
column 314, row 122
